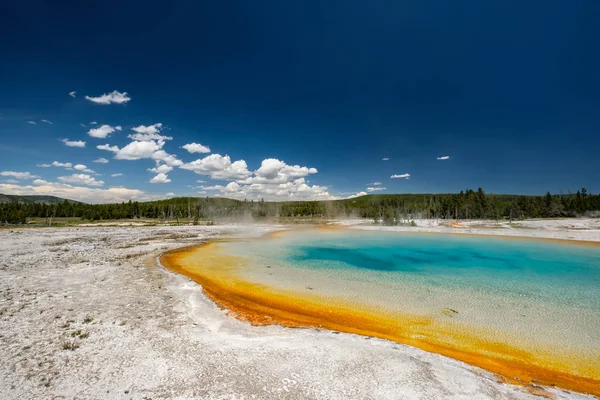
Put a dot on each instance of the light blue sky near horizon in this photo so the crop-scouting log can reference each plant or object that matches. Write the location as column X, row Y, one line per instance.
column 510, row 92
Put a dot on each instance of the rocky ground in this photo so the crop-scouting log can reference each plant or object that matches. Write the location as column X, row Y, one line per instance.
column 85, row 313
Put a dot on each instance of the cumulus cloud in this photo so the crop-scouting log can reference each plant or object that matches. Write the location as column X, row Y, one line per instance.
column 113, row 97
column 359, row 194
column 107, row 147
column 73, row 143
column 160, row 178
column 135, row 150
column 18, row 175
column 32, row 122
column 80, row 193
column 81, row 179
column 43, row 165
column 73, row 94
column 116, row 175
column 93, row 123
column 385, row 159
column 375, row 183
column 196, row 148
column 150, row 129
column 11, row 181
column 146, row 133
column 83, row 168
column 62, row 165
column 166, row 158
column 163, row 168
column 101, row 160
column 402, row 176
column 297, row 189
column 375, row 189
column 219, row 167
column 103, row 131
column 46, row 121
column 274, row 179
column 444, row 158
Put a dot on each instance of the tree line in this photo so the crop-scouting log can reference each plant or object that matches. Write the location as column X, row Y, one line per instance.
column 391, row 209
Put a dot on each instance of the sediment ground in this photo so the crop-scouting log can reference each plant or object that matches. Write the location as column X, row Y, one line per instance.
column 85, row 313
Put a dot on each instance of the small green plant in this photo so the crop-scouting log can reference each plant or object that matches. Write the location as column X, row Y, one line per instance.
column 71, row 345
column 84, row 335
column 88, row 319
column 413, row 223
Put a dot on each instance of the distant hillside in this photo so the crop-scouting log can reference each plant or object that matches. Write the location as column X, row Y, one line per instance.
column 9, row 198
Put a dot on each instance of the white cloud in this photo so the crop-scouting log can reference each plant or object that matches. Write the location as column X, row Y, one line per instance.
column 146, row 133
column 135, row 150
column 359, row 194
column 44, row 165
column 116, row 175
column 103, row 131
column 150, row 129
column 93, row 123
column 11, row 181
column 32, row 122
column 144, row 137
column 375, row 183
column 73, row 94
column 293, row 190
column 83, row 125
column 101, row 160
column 46, row 121
column 80, row 193
column 163, row 168
column 83, row 168
column 196, row 148
column 375, row 189
column 274, row 171
column 107, row 147
column 108, row 98
column 18, row 175
column 443, row 158
column 200, row 181
column 219, row 167
column 81, row 179
column 385, row 159
column 118, row 128
column 160, row 178
column 274, row 180
column 403, row 176
column 166, row 158
column 73, row 143
column 62, row 165
column 170, row 194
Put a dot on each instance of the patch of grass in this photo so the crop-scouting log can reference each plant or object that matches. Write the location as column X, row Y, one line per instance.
column 80, row 333
column 66, row 325
column 87, row 319
column 71, row 345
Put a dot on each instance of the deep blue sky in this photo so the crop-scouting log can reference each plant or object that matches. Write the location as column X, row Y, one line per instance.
column 510, row 90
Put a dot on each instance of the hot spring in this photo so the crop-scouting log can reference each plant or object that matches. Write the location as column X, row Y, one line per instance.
column 526, row 309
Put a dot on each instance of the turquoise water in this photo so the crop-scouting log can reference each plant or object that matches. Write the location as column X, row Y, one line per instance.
column 546, row 271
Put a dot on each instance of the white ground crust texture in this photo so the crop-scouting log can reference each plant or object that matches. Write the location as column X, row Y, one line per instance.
column 85, row 315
